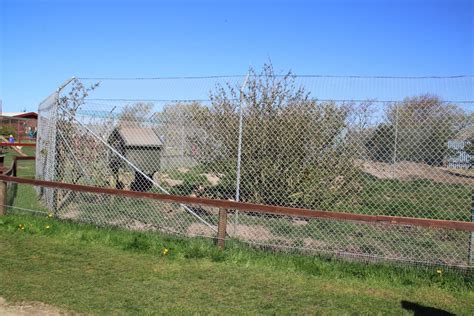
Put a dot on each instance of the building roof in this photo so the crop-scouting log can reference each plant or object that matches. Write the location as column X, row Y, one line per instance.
column 20, row 114
column 139, row 136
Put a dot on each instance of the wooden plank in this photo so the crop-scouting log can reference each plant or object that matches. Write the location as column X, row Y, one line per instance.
column 12, row 145
column 3, row 197
column 222, row 228
column 251, row 207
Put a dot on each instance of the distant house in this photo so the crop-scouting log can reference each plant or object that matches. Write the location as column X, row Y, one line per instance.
column 22, row 124
column 23, row 115
column 459, row 158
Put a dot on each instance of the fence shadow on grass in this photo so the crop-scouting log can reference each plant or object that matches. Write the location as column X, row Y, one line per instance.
column 421, row 310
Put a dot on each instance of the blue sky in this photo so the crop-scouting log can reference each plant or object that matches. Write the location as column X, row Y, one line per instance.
column 45, row 42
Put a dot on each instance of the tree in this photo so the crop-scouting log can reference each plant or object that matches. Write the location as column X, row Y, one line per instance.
column 381, row 143
column 417, row 129
column 295, row 150
column 134, row 115
column 68, row 132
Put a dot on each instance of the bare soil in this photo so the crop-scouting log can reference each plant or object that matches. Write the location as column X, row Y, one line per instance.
column 212, row 178
column 257, row 233
column 183, row 170
column 406, row 171
column 28, row 308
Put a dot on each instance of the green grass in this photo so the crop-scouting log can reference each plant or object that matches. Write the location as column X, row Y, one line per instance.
column 23, row 196
column 418, row 198
column 86, row 269
column 192, row 180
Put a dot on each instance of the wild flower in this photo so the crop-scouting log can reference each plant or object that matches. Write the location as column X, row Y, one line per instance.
column 165, row 251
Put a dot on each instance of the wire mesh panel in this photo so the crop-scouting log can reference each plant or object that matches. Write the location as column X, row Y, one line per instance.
column 46, row 145
column 133, row 213
column 404, row 147
column 367, row 241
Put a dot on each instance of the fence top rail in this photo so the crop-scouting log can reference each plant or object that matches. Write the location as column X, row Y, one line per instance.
column 24, row 158
column 17, row 144
column 251, row 207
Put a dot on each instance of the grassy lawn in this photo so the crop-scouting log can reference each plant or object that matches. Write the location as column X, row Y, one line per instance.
column 23, row 196
column 85, row 269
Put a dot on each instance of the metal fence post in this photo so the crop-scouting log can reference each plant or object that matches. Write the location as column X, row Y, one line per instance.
column 3, row 188
column 470, row 255
column 395, row 145
column 54, row 142
column 239, row 152
column 222, row 228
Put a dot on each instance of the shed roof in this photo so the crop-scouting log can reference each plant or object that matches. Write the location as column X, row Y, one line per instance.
column 139, row 136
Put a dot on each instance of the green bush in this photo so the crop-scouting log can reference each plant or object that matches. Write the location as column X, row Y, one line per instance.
column 381, row 143
column 8, row 130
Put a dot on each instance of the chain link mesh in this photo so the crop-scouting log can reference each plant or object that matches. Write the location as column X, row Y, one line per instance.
column 264, row 139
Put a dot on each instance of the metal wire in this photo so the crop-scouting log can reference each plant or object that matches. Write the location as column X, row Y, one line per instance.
column 24, row 209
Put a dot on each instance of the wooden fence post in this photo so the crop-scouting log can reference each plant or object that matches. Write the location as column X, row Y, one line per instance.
column 3, row 187
column 221, row 228
column 3, row 197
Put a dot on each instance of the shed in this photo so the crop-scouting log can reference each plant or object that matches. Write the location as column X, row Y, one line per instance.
column 139, row 145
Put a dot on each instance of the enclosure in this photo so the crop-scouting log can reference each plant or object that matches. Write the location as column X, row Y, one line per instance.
column 400, row 146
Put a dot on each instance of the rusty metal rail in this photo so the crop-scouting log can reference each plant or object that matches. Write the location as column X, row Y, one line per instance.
column 3, row 144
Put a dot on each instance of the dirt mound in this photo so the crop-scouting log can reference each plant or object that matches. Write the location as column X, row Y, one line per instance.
column 257, row 233
column 406, row 171
column 28, row 308
column 198, row 229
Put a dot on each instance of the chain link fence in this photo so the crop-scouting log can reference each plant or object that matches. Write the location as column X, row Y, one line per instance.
column 392, row 146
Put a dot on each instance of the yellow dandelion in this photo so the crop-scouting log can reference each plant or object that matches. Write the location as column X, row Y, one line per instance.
column 439, row 271
column 50, row 215
column 47, row 226
column 21, row 226
column 165, row 251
